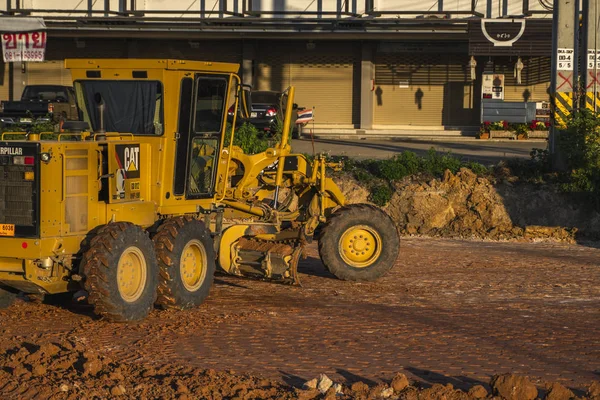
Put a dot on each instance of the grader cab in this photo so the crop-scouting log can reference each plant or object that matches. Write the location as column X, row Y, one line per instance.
column 140, row 202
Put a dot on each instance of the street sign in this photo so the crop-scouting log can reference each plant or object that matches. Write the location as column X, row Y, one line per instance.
column 564, row 59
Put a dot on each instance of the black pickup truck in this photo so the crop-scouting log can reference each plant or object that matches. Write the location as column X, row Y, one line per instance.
column 40, row 103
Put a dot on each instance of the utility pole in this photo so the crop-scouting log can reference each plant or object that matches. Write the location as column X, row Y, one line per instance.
column 590, row 57
column 564, row 80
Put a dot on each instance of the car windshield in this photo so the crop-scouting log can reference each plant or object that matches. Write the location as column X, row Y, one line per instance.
column 46, row 92
column 265, row 97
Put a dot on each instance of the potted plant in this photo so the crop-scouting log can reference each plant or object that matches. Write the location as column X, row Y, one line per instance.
column 539, row 129
column 521, row 131
column 484, row 130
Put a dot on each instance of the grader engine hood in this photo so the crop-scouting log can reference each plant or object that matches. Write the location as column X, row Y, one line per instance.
column 19, row 189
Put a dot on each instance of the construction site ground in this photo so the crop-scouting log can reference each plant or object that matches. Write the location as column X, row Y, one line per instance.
column 450, row 311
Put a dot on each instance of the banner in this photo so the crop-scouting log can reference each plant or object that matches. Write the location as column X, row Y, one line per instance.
column 29, row 46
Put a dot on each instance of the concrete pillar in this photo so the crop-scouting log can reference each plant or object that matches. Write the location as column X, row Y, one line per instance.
column 564, row 80
column 248, row 57
column 590, row 61
column 367, row 79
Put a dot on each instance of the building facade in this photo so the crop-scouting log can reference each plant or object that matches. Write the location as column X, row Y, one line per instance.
column 362, row 65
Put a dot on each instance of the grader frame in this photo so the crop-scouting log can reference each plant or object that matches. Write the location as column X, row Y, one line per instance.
column 138, row 209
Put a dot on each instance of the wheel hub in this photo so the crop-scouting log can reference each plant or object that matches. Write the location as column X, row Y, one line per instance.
column 360, row 246
column 131, row 274
column 192, row 265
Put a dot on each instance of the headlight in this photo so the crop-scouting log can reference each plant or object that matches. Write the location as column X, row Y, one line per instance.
column 45, row 157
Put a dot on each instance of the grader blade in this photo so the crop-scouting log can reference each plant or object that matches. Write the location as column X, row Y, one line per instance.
column 276, row 261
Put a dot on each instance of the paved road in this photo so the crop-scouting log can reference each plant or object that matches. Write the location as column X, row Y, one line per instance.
column 481, row 151
column 450, row 311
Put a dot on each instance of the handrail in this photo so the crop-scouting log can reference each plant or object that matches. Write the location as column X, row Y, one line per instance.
column 13, row 133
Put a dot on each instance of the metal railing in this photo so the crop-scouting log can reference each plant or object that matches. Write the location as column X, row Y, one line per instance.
column 220, row 9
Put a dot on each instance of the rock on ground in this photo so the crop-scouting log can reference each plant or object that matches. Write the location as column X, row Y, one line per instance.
column 513, row 387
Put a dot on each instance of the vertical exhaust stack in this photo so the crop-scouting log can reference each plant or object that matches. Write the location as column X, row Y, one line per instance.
column 101, row 109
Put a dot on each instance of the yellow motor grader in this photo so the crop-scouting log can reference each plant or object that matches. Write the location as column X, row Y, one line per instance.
column 139, row 202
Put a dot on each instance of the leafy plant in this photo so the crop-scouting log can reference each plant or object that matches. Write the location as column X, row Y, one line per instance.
column 381, row 194
column 579, row 144
column 248, row 138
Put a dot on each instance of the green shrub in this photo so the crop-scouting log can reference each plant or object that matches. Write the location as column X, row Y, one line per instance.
column 249, row 139
column 381, row 194
column 579, row 144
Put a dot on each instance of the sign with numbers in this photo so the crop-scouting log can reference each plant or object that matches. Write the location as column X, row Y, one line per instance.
column 29, row 46
column 564, row 58
column 593, row 59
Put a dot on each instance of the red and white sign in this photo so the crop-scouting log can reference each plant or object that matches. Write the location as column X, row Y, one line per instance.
column 24, row 46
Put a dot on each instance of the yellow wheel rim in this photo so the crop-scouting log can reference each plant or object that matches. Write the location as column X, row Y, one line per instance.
column 360, row 246
column 132, row 274
column 192, row 265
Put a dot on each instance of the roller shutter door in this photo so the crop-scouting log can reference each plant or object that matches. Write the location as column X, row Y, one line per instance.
column 423, row 89
column 5, row 82
column 48, row 73
column 323, row 78
column 535, row 79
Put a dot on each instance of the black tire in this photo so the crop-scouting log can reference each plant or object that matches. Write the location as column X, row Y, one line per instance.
column 361, row 262
column 173, row 237
column 7, row 297
column 101, row 269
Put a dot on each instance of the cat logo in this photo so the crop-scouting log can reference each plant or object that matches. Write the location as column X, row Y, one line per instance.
column 128, row 160
column 132, row 159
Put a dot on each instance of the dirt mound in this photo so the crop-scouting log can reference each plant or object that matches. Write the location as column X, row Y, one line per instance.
column 69, row 369
column 465, row 205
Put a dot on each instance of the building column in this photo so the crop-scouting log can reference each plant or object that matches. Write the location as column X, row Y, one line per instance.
column 248, row 57
column 367, row 79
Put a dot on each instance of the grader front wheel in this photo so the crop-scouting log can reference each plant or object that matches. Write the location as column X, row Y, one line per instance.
column 121, row 272
column 359, row 243
column 186, row 259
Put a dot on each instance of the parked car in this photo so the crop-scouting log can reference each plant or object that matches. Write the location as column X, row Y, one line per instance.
column 266, row 108
column 40, row 103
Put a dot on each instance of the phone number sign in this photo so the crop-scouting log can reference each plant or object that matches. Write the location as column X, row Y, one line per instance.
column 29, row 46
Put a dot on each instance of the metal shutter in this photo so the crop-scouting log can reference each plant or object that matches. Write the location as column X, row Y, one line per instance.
column 322, row 76
column 535, row 79
column 48, row 73
column 423, row 89
column 5, row 82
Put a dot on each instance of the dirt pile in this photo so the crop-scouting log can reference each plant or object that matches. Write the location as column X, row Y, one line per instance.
column 465, row 205
column 69, row 369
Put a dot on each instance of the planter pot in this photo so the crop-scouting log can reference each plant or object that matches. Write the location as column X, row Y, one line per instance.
column 521, row 136
column 484, row 135
column 538, row 134
column 502, row 134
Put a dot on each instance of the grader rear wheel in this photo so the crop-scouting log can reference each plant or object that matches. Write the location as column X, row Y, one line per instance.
column 186, row 259
column 359, row 243
column 121, row 272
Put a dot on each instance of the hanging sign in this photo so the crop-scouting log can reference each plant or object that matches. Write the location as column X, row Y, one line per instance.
column 29, row 46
